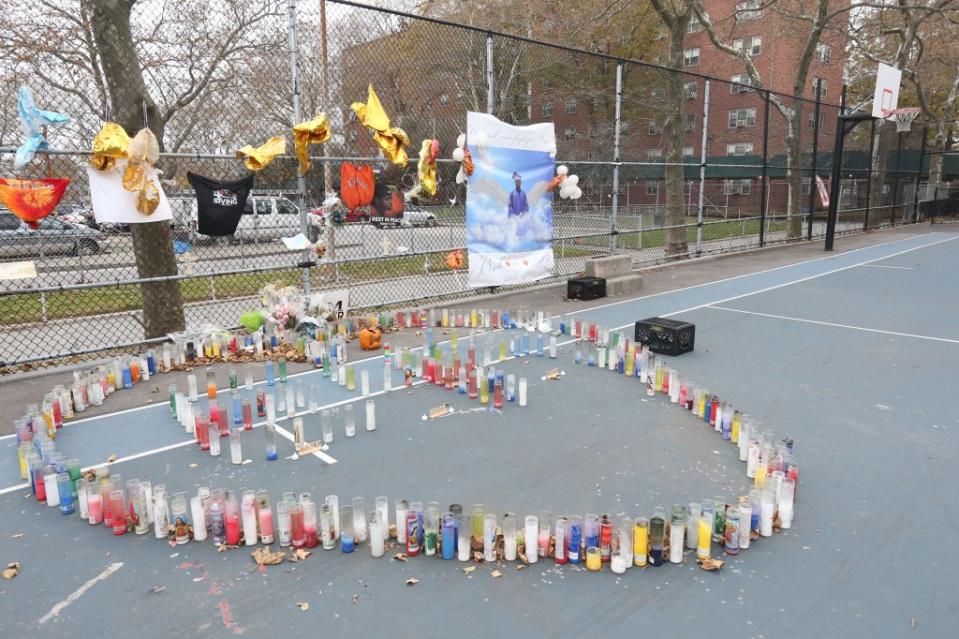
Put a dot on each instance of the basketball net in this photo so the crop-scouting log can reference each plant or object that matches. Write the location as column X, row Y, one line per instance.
column 902, row 117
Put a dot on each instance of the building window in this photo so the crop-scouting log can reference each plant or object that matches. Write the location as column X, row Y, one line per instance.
column 823, row 85
column 823, row 53
column 654, row 155
column 691, row 89
column 694, row 25
column 811, row 120
column 690, row 126
column 688, row 151
column 738, row 187
column 444, row 100
column 691, row 57
column 548, row 109
column 652, row 187
column 570, row 106
column 569, row 133
column 749, row 10
column 740, row 148
column 740, row 84
column 655, row 127
column 742, row 117
column 752, row 45
column 806, row 183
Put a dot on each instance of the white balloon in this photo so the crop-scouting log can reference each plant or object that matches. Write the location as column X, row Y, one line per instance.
column 564, row 191
column 481, row 139
column 562, row 169
column 458, row 154
column 460, row 176
column 578, row 193
column 461, row 139
column 572, row 180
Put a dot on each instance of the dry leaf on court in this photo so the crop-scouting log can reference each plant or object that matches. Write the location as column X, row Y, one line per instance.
column 264, row 557
column 496, row 574
column 12, row 570
column 711, row 564
column 111, row 459
column 520, row 566
column 225, row 547
column 16, row 536
column 303, row 605
column 400, row 556
column 299, row 555
column 412, row 581
column 469, row 569
column 194, row 465
column 356, row 599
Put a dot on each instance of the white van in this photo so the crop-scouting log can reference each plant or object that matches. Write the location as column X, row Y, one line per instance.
column 265, row 218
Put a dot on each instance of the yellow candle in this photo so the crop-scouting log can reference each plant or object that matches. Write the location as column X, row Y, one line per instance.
column 702, row 405
column 705, row 539
column 734, row 434
column 630, row 358
column 22, row 452
column 659, row 380
column 594, row 562
column 640, row 542
column 446, row 318
column 474, row 319
column 111, row 378
column 760, row 476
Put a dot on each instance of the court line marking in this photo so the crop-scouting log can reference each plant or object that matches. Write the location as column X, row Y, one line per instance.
column 903, row 268
column 836, row 325
column 79, row 592
column 807, row 278
column 583, row 310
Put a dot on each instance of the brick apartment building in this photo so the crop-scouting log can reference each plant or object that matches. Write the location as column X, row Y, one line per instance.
column 582, row 110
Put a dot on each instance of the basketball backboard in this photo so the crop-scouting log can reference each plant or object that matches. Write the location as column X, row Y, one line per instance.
column 886, row 97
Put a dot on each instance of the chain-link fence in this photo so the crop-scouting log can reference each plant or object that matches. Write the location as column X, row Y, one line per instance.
column 671, row 164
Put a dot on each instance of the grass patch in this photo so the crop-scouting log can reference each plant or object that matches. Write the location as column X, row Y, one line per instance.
column 25, row 308
column 656, row 238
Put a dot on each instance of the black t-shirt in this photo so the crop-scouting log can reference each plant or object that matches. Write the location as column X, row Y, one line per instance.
column 219, row 204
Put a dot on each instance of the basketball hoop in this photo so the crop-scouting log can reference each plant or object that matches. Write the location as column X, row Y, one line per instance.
column 902, row 117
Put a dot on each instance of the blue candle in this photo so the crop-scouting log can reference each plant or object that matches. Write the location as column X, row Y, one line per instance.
column 270, row 375
column 526, row 342
column 151, row 363
column 346, row 541
column 237, row 408
column 575, row 539
column 65, row 489
column 449, row 536
column 539, row 344
column 127, row 377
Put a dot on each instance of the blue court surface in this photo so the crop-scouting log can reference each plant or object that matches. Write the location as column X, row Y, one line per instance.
column 853, row 355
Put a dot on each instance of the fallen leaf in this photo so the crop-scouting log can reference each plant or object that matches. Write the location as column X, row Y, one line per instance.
column 299, row 554
column 225, row 547
column 496, row 574
column 12, row 570
column 710, row 564
column 400, row 556
column 157, row 589
column 111, row 459
column 520, row 566
column 412, row 581
column 193, row 465
column 356, row 599
column 469, row 569
column 522, row 557
column 264, row 557
column 303, row 605
column 16, row 536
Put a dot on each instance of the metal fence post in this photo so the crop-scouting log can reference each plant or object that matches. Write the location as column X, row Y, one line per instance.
column 702, row 170
column 300, row 179
column 489, row 72
column 915, row 190
column 615, row 213
column 815, row 159
column 872, row 150
column 895, row 183
column 762, row 195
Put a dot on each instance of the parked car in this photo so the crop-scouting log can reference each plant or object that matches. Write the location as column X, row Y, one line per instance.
column 53, row 236
column 265, row 217
column 414, row 215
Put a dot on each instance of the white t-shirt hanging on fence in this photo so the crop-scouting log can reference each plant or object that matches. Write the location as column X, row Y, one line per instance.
column 112, row 204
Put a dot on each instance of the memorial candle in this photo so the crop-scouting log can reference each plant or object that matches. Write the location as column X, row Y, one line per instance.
column 310, row 524
column 531, row 531
column 283, row 524
column 575, row 538
column 676, row 531
column 191, row 386
column 198, row 515
column 657, row 533
column 560, row 553
column 745, row 523
column 210, row 384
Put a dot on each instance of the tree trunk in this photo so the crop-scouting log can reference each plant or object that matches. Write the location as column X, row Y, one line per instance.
column 152, row 241
column 676, row 242
column 794, row 219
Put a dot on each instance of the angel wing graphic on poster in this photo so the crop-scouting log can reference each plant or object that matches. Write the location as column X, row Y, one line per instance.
column 491, row 189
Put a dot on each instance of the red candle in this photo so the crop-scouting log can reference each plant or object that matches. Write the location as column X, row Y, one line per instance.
column 592, row 332
column 714, row 411
column 39, row 486
column 579, row 329
column 221, row 420
column 231, row 517
column 494, row 319
column 605, row 539
column 497, row 394
column 266, row 525
column 666, row 382
column 439, row 373
column 471, row 383
column 118, row 506
column 471, row 356
column 297, row 531
column 57, row 415
column 94, row 508
column 247, row 415
column 311, row 537
column 430, row 369
column 202, row 428
column 682, row 395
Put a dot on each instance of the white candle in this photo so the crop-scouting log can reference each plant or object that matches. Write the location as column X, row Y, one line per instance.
column 364, row 382
column 522, row 391
column 376, row 536
column 249, row 522
column 370, row 415
column 509, row 547
column 50, row 486
column 334, row 503
column 532, row 531
column 676, row 543
column 199, row 518
column 766, row 513
column 341, row 374
column 214, row 440
column 745, row 524
column 191, row 385
column 290, row 402
column 387, row 375
column 618, row 564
